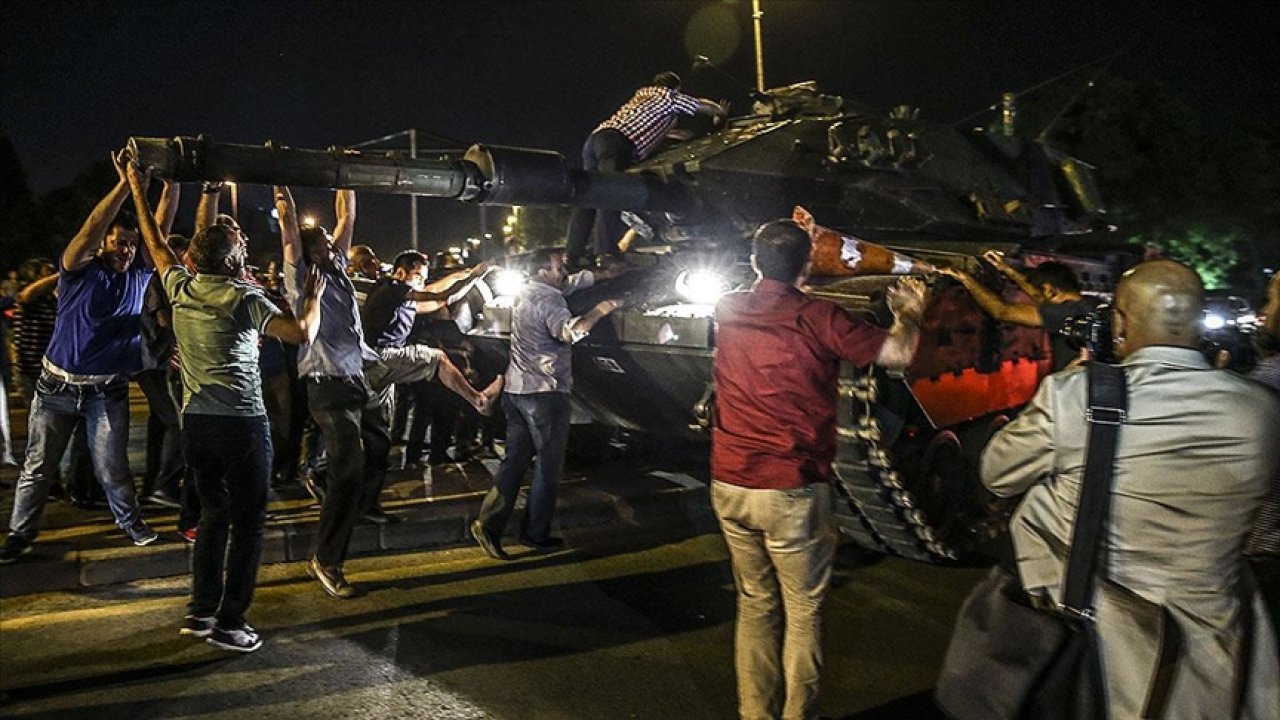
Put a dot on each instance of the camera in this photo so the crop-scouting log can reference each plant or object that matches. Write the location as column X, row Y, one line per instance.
column 1092, row 331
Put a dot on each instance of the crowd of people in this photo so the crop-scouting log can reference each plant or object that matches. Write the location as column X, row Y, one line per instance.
column 304, row 377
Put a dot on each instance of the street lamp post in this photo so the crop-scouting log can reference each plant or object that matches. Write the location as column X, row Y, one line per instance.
column 757, row 16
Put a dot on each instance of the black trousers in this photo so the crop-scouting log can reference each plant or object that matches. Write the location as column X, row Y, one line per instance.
column 230, row 460
column 358, row 443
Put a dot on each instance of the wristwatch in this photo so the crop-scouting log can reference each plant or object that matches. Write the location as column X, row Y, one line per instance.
column 209, row 188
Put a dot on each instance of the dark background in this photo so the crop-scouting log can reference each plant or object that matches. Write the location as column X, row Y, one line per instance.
column 79, row 78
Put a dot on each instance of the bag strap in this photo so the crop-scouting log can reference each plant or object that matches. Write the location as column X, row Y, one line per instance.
column 1107, row 411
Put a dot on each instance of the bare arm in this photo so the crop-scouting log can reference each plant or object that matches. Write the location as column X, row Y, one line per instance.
column 303, row 329
column 167, row 208
column 207, row 211
column 86, row 242
column 435, row 295
column 906, row 301
column 997, row 261
column 588, row 320
column 161, row 254
column 344, row 204
column 994, row 305
column 39, row 288
column 290, row 237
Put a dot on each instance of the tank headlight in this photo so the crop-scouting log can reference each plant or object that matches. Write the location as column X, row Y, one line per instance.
column 508, row 283
column 701, row 286
column 1214, row 321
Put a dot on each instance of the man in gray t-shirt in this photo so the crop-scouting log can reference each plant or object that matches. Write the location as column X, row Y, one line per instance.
column 217, row 320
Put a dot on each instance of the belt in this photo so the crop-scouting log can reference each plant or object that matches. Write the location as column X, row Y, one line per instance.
column 332, row 378
column 76, row 378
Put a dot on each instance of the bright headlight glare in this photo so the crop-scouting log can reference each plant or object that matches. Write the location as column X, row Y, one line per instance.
column 1214, row 322
column 508, row 283
column 701, row 286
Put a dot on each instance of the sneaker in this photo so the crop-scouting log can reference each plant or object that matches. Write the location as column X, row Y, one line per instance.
column 141, row 534
column 160, row 498
column 312, row 485
column 332, row 580
column 550, row 544
column 488, row 540
column 197, row 626
column 188, row 535
column 243, row 639
column 378, row 516
column 15, row 546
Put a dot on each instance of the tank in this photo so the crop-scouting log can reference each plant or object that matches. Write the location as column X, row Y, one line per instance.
column 907, row 442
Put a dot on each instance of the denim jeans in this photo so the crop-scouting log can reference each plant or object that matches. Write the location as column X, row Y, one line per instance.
column 782, row 545
column 608, row 150
column 358, row 442
column 57, row 406
column 537, row 434
column 230, row 460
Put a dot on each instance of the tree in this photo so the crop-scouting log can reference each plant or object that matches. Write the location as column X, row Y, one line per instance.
column 19, row 238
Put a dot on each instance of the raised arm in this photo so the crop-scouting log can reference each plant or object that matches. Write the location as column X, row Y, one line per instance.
column 161, row 254
column 436, row 294
column 86, row 242
column 344, row 204
column 302, row 329
column 906, row 301
column 994, row 305
column 167, row 208
column 207, row 211
column 39, row 288
column 997, row 261
column 290, row 236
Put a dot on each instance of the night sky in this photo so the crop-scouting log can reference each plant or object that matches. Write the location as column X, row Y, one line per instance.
column 79, row 78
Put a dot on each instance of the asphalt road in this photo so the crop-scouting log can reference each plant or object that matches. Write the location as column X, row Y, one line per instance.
column 630, row 623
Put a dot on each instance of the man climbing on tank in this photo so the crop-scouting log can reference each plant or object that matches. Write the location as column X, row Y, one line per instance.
column 629, row 136
column 1055, row 296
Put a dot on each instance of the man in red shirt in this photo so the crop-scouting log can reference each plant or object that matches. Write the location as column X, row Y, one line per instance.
column 778, row 355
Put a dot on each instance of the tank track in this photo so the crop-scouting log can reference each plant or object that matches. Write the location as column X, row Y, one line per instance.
column 885, row 516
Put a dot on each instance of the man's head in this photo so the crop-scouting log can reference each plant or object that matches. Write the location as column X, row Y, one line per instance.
column 1160, row 302
column 667, row 79
column 317, row 246
column 411, row 267
column 362, row 260
column 218, row 250
column 1268, row 339
column 780, row 251
column 34, row 269
column 121, row 242
column 1057, row 282
column 547, row 265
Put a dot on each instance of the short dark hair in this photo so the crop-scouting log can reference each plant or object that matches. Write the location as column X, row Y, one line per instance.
column 408, row 259
column 541, row 258
column 667, row 79
column 781, row 249
column 1056, row 274
column 125, row 220
column 210, row 247
column 312, row 235
column 178, row 243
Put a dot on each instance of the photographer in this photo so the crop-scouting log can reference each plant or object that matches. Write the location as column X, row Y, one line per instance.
column 1182, row 632
column 1055, row 294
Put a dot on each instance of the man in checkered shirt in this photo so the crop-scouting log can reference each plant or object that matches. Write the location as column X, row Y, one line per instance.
column 630, row 135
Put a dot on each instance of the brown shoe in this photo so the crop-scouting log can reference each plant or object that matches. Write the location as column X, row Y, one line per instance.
column 489, row 542
column 332, row 580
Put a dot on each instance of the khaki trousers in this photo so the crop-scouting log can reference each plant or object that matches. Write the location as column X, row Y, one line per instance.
column 782, row 546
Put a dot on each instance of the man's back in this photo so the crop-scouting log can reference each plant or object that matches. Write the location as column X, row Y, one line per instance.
column 1175, row 600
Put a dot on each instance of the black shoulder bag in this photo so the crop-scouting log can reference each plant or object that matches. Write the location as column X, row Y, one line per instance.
column 1008, row 660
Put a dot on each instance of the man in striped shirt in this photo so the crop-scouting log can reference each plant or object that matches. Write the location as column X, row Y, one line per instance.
column 630, row 135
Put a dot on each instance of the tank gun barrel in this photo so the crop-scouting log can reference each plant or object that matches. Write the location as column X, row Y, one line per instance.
column 485, row 174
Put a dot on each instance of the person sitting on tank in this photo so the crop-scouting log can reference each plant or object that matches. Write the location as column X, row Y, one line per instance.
column 629, row 136
column 1055, row 295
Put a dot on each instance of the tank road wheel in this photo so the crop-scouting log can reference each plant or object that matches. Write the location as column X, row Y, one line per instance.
column 946, row 488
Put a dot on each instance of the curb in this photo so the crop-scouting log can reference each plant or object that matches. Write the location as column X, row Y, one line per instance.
column 437, row 524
